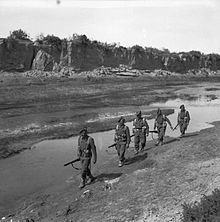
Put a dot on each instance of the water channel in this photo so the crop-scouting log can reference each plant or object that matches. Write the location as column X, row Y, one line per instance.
column 37, row 169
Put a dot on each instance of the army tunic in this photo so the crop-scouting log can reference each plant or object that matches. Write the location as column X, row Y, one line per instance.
column 183, row 120
column 161, row 125
column 140, row 129
column 122, row 139
column 86, row 148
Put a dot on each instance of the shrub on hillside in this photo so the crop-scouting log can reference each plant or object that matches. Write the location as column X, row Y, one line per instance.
column 19, row 34
column 49, row 40
column 207, row 210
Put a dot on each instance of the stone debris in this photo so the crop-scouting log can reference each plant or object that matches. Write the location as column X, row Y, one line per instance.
column 87, row 194
column 111, row 184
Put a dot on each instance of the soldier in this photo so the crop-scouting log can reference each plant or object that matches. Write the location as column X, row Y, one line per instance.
column 140, row 130
column 183, row 120
column 122, row 139
column 161, row 125
column 86, row 149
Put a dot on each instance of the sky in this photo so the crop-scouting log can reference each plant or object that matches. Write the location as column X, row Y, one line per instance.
column 178, row 25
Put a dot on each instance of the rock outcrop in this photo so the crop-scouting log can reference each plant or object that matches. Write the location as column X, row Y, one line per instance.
column 82, row 54
column 43, row 61
column 16, row 55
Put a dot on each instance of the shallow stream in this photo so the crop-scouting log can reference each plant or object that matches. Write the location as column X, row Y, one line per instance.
column 36, row 170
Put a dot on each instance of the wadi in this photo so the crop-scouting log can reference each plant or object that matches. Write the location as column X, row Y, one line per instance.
column 52, row 88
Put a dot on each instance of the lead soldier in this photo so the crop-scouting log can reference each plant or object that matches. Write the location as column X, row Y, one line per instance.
column 86, row 149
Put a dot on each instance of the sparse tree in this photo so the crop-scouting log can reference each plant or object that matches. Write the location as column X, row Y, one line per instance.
column 19, row 34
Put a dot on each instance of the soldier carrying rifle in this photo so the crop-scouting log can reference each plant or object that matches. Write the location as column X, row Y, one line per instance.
column 122, row 139
column 183, row 119
column 86, row 149
column 140, row 130
column 161, row 125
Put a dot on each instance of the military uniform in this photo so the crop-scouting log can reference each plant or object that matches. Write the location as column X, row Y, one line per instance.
column 122, row 139
column 183, row 120
column 140, row 129
column 161, row 125
column 86, row 149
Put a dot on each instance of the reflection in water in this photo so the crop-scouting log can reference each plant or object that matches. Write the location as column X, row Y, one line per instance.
column 36, row 170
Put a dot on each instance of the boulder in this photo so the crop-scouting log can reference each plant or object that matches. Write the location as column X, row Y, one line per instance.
column 43, row 61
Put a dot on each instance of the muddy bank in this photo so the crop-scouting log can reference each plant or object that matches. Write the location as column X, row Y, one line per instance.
column 150, row 187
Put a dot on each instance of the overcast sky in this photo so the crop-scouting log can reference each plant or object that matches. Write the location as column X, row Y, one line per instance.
column 179, row 25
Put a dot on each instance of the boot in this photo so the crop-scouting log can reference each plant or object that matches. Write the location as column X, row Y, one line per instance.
column 91, row 179
column 82, row 184
column 136, row 152
column 120, row 164
column 157, row 143
column 141, row 149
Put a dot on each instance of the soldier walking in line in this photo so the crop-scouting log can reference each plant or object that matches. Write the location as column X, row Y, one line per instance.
column 86, row 150
column 183, row 119
column 161, row 125
column 140, row 130
column 122, row 139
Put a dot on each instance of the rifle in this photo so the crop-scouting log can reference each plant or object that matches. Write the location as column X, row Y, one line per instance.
column 114, row 144
column 72, row 162
column 153, row 131
column 176, row 125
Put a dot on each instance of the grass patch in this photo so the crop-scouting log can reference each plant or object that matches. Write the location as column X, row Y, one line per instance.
column 207, row 210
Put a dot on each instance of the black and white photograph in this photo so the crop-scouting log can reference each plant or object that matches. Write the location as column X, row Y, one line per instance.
column 109, row 111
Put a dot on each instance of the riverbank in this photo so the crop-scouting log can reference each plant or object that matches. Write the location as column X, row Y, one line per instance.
column 38, row 107
column 150, row 187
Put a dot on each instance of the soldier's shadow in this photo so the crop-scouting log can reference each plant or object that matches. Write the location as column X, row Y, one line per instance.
column 107, row 176
column 171, row 140
column 136, row 158
column 190, row 135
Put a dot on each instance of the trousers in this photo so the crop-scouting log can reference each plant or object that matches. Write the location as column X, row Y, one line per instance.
column 86, row 165
column 121, row 151
column 139, row 138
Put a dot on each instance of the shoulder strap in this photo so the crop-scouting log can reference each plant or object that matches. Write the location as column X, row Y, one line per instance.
column 88, row 141
column 80, row 140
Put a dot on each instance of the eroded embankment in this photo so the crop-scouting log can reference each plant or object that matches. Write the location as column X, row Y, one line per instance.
column 150, row 187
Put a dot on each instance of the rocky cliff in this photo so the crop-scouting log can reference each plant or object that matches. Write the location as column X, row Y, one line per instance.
column 16, row 55
column 81, row 53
